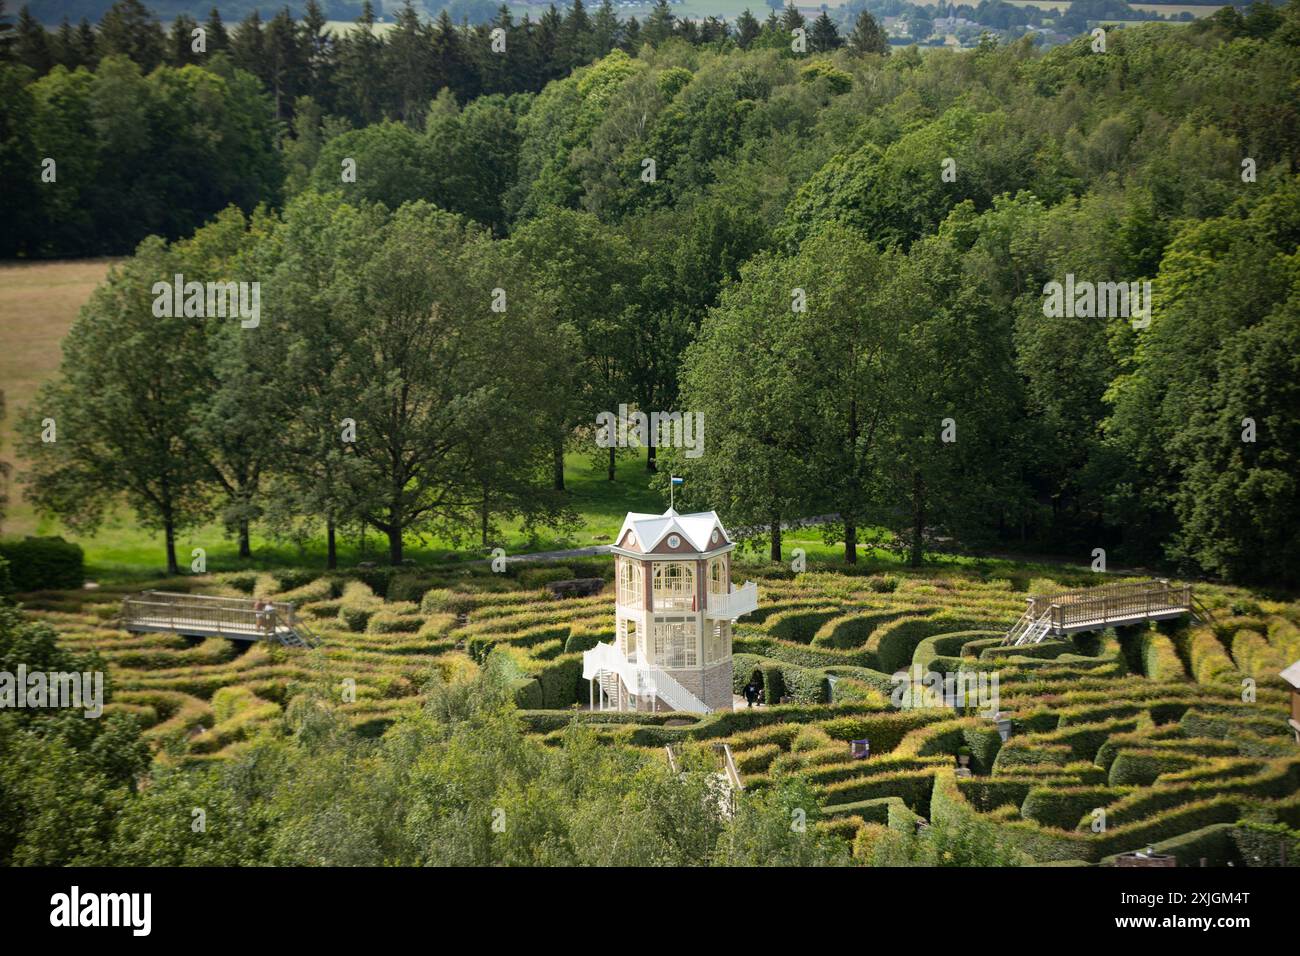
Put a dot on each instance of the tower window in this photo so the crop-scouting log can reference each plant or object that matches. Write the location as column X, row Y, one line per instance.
column 674, row 584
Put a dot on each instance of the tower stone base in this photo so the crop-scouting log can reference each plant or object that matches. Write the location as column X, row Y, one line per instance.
column 711, row 684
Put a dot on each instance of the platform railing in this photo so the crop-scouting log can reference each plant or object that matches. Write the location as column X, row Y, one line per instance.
column 1120, row 602
column 181, row 612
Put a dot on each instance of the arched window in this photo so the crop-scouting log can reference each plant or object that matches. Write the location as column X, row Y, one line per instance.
column 674, row 584
column 627, row 638
column 718, row 583
column 631, row 586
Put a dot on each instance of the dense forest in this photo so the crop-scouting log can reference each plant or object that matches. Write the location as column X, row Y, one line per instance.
column 838, row 256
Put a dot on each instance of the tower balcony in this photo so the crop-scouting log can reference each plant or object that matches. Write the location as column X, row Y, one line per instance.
column 735, row 603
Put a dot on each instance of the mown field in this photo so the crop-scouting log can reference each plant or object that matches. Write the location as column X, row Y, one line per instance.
column 1148, row 725
column 38, row 304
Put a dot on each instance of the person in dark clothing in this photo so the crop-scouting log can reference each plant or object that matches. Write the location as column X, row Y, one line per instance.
column 751, row 693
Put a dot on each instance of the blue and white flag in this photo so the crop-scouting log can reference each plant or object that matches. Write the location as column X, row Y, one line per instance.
column 676, row 481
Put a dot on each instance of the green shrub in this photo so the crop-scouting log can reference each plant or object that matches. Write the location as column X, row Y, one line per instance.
column 585, row 640
column 357, row 605
column 1158, row 658
column 851, row 630
column 988, row 793
column 527, row 693
column 894, row 643
column 291, row 579
column 1265, row 844
column 447, row 601
column 885, row 730
column 41, row 564
column 911, row 786
column 1062, row 807
column 480, row 646
column 757, row 759
column 407, row 586
column 392, row 622
column 1208, row 661
column 560, row 679
column 773, row 684
column 1022, row 752
column 1141, row 767
column 948, row 645
column 805, row 685
column 1213, row 844
column 800, row 626
column 536, row 577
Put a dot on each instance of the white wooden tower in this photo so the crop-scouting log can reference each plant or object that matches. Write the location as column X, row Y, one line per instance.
column 674, row 611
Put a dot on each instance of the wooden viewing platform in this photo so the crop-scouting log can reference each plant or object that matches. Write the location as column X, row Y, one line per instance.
column 202, row 615
column 1091, row 609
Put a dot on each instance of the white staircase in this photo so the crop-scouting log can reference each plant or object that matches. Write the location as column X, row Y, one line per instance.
column 1029, row 629
column 605, row 664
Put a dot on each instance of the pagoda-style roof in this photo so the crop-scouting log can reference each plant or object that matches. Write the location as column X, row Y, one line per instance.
column 644, row 533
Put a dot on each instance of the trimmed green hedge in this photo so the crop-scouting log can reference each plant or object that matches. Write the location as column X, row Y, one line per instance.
column 773, row 684
column 1062, row 807
column 44, row 564
column 1214, row 844
column 527, row 693
column 1160, row 661
column 852, row 630
column 724, row 723
column 988, row 793
column 1142, row 767
column 802, row 655
column 891, row 811
column 911, row 786
column 1022, row 752
column 799, row 627
column 586, row 640
column 894, row 643
column 1264, row 844
column 944, row 646
column 560, row 680
column 1277, row 779
column 539, row 721
column 884, row 729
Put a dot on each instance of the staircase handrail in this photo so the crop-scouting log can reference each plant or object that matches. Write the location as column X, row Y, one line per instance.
column 641, row 679
column 729, row 763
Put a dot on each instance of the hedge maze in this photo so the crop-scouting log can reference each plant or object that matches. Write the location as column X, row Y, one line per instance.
column 1173, row 736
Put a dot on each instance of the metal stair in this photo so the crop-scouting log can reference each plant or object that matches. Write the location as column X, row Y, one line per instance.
column 290, row 637
column 605, row 662
column 1202, row 613
column 1029, row 629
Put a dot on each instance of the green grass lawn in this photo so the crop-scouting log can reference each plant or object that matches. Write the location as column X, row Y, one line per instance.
column 123, row 549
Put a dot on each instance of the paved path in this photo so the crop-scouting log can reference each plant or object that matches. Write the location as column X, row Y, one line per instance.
column 591, row 552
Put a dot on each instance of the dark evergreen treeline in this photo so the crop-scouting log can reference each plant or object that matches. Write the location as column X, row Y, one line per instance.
column 372, row 72
column 145, row 148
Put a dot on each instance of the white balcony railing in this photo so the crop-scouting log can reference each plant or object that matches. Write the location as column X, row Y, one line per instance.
column 736, row 603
